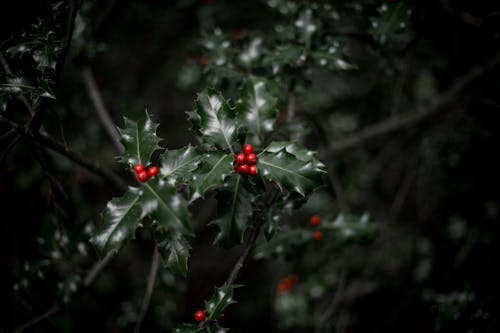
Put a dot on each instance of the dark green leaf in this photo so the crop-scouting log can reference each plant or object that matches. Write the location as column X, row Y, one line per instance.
column 119, row 220
column 139, row 139
column 174, row 250
column 213, row 169
column 179, row 164
column 306, row 25
column 300, row 173
column 213, row 120
column 272, row 224
column 251, row 51
column 167, row 207
column 257, row 108
column 221, row 299
column 235, row 210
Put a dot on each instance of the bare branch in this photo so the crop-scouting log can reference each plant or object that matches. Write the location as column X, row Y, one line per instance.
column 100, row 108
column 45, row 315
column 415, row 116
column 22, row 98
column 153, row 272
column 252, row 238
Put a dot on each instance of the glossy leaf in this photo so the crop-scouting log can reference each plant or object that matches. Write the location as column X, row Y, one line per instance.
column 213, row 120
column 306, row 26
column 119, row 220
column 167, row 207
column 257, row 108
column 212, row 170
column 300, row 173
column 179, row 164
column 174, row 250
column 221, row 299
column 235, row 210
column 139, row 140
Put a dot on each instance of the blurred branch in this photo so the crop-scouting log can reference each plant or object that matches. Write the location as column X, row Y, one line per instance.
column 100, row 108
column 153, row 272
column 90, row 277
column 252, row 238
column 37, row 119
column 330, row 309
column 415, row 116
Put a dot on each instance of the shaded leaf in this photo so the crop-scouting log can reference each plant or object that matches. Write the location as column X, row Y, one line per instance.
column 212, row 170
column 306, row 26
column 213, row 120
column 235, row 210
column 189, row 328
column 179, row 164
column 139, row 140
column 174, row 250
column 392, row 19
column 119, row 220
column 257, row 108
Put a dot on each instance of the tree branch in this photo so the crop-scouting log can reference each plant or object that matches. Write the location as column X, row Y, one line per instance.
column 413, row 117
column 252, row 238
column 153, row 272
column 100, row 108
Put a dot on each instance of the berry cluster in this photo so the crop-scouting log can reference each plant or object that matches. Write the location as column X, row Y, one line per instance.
column 287, row 283
column 315, row 221
column 244, row 163
column 200, row 316
column 142, row 174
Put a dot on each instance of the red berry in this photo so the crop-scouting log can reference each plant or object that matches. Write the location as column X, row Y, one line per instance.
column 252, row 170
column 315, row 219
column 138, row 168
column 142, row 176
column 242, row 169
column 152, row 171
column 200, row 315
column 240, row 158
column 251, row 158
column 247, row 149
column 317, row 235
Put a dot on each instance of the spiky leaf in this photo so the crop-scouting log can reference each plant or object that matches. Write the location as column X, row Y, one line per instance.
column 221, row 299
column 119, row 220
column 168, row 208
column 392, row 19
column 290, row 172
column 257, row 108
column 179, row 164
column 213, row 169
column 235, row 210
column 139, row 140
column 213, row 120
column 174, row 250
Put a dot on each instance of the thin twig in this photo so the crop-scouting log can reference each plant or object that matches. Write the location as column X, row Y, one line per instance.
column 153, row 272
column 11, row 145
column 330, row 309
column 58, row 147
column 252, row 238
column 413, row 117
column 45, row 315
column 100, row 108
column 90, row 277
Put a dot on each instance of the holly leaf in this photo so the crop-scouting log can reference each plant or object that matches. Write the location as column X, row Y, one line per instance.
column 167, row 207
column 300, row 152
column 332, row 55
column 179, row 164
column 288, row 171
column 212, row 170
column 213, row 120
column 257, row 108
column 174, row 250
column 139, row 140
column 235, row 210
column 306, row 26
column 119, row 220
column 221, row 299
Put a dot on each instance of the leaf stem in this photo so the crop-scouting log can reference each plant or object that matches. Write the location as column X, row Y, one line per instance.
column 153, row 272
column 252, row 238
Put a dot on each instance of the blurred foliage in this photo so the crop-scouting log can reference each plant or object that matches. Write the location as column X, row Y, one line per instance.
column 409, row 220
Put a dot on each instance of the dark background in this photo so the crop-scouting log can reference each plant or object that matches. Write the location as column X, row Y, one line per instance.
column 432, row 186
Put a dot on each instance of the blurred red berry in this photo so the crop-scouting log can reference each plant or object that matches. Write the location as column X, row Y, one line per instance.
column 317, row 235
column 240, row 158
column 247, row 149
column 152, row 171
column 315, row 220
column 142, row 176
column 251, row 158
column 252, row 170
